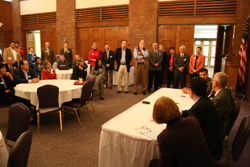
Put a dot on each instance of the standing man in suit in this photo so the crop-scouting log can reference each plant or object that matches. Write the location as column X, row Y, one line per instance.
column 204, row 110
column 108, row 58
column 154, row 68
column 24, row 74
column 13, row 53
column 47, row 53
column 181, row 62
column 123, row 57
column 67, row 52
column 222, row 100
column 170, row 66
column 140, row 64
column 10, row 66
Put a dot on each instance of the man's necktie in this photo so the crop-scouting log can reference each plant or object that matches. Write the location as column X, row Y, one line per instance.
column 11, row 69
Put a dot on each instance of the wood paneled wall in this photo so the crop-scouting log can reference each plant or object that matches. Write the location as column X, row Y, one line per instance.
column 51, row 37
column 100, row 35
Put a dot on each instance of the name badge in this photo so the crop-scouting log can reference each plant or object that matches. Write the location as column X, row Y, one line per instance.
column 185, row 59
column 85, row 70
column 14, row 67
column 68, row 51
column 194, row 58
column 139, row 53
column 159, row 54
column 29, row 76
column 111, row 56
column 1, row 83
column 92, row 53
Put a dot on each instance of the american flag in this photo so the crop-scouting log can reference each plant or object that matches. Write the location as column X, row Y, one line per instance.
column 243, row 55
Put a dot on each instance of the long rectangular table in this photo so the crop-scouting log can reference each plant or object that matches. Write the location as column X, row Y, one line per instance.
column 122, row 144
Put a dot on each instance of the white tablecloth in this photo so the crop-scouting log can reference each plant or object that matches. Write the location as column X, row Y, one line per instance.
column 4, row 155
column 64, row 74
column 67, row 90
column 131, row 77
column 122, row 146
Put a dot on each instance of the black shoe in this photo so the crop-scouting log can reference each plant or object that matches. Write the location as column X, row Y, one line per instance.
column 118, row 91
column 135, row 93
column 149, row 90
column 144, row 92
column 110, row 87
column 126, row 92
column 101, row 98
column 33, row 122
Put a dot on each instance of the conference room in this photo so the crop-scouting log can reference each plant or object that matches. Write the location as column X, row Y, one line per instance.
column 107, row 116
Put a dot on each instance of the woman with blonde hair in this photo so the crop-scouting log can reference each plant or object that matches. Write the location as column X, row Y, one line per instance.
column 182, row 142
column 48, row 72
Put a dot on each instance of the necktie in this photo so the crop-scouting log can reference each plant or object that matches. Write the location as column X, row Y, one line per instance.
column 182, row 56
column 47, row 51
column 196, row 62
column 11, row 69
column 107, row 55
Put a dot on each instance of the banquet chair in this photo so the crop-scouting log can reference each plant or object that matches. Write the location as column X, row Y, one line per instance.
column 19, row 118
column 48, row 102
column 238, row 145
column 76, row 104
column 19, row 153
column 91, row 78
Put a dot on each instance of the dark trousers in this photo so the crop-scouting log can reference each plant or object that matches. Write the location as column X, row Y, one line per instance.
column 151, row 75
column 170, row 77
column 179, row 77
column 193, row 75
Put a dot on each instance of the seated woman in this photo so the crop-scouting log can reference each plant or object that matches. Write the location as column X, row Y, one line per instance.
column 31, row 56
column 80, row 71
column 48, row 72
column 38, row 67
column 98, row 70
column 6, row 87
column 182, row 142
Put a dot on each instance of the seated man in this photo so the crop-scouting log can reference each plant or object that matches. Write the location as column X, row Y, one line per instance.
column 222, row 100
column 205, row 111
column 9, row 65
column 62, row 61
column 74, row 63
column 24, row 74
column 203, row 73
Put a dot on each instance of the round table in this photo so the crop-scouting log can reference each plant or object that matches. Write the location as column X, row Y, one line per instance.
column 64, row 74
column 67, row 90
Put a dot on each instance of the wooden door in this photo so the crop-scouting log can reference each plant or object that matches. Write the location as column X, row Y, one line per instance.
column 51, row 37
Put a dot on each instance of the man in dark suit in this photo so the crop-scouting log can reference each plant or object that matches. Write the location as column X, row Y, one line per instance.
column 222, row 100
column 123, row 57
column 181, row 63
column 170, row 66
column 10, row 67
column 67, row 52
column 24, row 74
column 108, row 58
column 206, row 113
column 154, row 67
column 47, row 53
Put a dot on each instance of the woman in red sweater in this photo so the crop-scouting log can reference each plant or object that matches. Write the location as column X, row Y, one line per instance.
column 48, row 72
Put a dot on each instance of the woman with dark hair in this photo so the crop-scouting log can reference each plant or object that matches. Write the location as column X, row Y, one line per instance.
column 99, row 71
column 196, row 62
column 80, row 71
column 182, row 143
column 31, row 57
column 48, row 72
column 38, row 67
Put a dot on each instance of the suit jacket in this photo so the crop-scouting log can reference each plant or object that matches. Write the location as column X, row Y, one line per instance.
column 38, row 70
column 78, row 73
column 59, row 63
column 19, row 76
column 153, row 59
column 45, row 55
column 182, row 144
column 8, row 68
column 118, row 56
column 204, row 110
column 9, row 86
column 109, row 61
column 181, row 63
column 209, row 85
column 168, row 62
column 199, row 64
column 8, row 53
column 68, row 55
column 224, row 108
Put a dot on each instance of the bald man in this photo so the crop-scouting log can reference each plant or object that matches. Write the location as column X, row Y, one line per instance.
column 47, row 53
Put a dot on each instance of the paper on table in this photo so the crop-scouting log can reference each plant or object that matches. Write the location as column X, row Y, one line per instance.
column 152, row 134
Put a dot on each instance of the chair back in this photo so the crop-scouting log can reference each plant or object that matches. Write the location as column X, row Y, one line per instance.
column 90, row 77
column 48, row 96
column 231, row 91
column 234, row 115
column 19, row 153
column 19, row 118
column 241, row 138
column 86, row 92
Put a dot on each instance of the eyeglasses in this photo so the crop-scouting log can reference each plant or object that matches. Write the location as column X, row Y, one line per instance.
column 144, row 129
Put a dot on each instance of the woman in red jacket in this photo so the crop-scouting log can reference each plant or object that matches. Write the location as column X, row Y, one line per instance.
column 48, row 72
column 94, row 54
column 196, row 62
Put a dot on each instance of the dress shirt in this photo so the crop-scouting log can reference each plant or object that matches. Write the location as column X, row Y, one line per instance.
column 107, row 51
column 138, row 56
column 14, row 53
column 27, row 76
column 197, row 100
column 123, row 58
column 217, row 92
